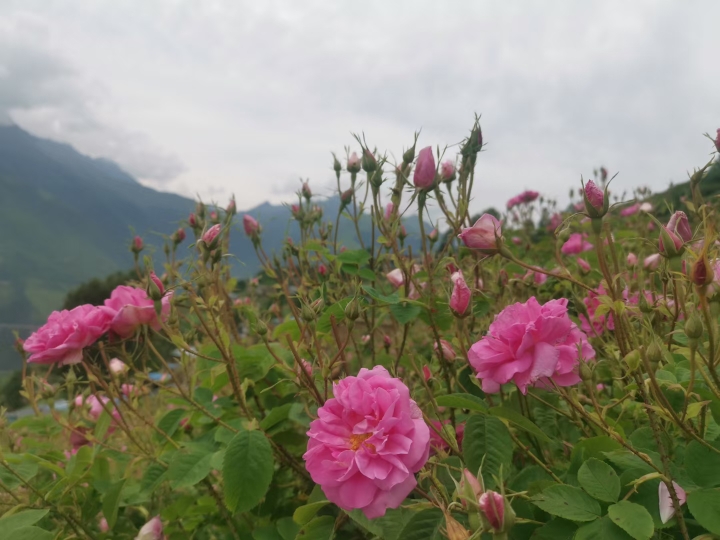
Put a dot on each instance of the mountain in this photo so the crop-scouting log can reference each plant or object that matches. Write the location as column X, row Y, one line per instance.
column 67, row 218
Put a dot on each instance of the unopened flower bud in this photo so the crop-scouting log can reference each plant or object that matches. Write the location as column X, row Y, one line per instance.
column 251, row 226
column 586, row 373
column 346, row 197
column 368, row 162
column 447, row 171
column 318, row 306
column 261, row 328
column 632, row 359
column 231, row 207
column 694, row 326
column 409, row 155
column 470, row 489
column 701, row 272
column 424, row 176
column 155, row 288
column 192, row 221
column 596, row 202
column 211, row 235
column 492, row 506
column 306, row 192
column 307, row 313
column 654, row 353
column 454, row 530
column 352, row 310
column 178, row 236
column 137, row 245
column 353, row 163
column 337, row 166
column 427, row 374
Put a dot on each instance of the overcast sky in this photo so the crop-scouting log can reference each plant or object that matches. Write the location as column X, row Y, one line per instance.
column 220, row 97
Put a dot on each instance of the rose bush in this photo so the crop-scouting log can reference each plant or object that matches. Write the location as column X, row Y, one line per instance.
column 444, row 383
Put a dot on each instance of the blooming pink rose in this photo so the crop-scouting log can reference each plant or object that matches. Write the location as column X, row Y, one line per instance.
column 484, row 235
column 576, row 244
column 492, row 506
column 460, row 297
column 632, row 259
column 250, row 224
column 211, row 235
column 437, row 443
column 630, row 210
column 584, row 265
column 530, row 344
column 367, row 443
column 667, row 510
column 526, row 197
column 424, row 175
column 131, row 307
column 447, row 171
column 152, row 530
column 594, row 196
column 446, row 350
column 65, row 334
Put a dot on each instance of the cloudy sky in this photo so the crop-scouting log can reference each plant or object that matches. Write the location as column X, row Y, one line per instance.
column 221, row 97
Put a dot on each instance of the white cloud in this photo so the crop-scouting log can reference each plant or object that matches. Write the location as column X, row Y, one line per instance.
column 253, row 95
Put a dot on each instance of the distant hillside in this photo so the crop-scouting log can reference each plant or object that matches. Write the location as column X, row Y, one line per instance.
column 66, row 218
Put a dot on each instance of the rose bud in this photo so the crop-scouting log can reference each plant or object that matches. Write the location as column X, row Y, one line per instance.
column 584, row 265
column 322, row 269
column 652, row 262
column 470, row 488
column 632, row 259
column 427, row 374
column 447, row 171
column 485, row 235
column 210, row 236
column 424, row 176
column 446, row 350
column 178, row 236
column 368, row 162
column 389, row 210
column 117, row 366
column 670, row 244
column 137, row 245
column 596, row 202
column 152, row 530
column 353, row 163
column 460, row 297
column 680, row 225
column 492, row 506
column 306, row 192
column 346, row 197
column 251, row 226
column 702, row 273
column 231, row 207
column 192, row 221
column 717, row 141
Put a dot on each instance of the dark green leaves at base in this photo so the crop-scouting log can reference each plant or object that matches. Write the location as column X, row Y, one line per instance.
column 601, row 529
column 633, row 519
column 599, row 480
column 568, row 502
column 425, row 525
column 247, row 470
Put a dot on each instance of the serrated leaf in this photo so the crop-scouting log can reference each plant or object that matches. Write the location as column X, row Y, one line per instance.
column 633, row 519
column 154, row 474
column 188, row 467
column 375, row 295
column 275, row 416
column 387, row 527
column 247, row 470
column 462, row 401
column 25, row 518
column 599, row 480
column 405, row 312
column 601, row 529
column 25, row 469
column 32, row 533
column 305, row 513
column 354, row 256
column 568, row 502
column 320, row 528
column 487, row 437
column 111, row 503
column 425, row 525
column 170, row 422
column 519, row 420
column 703, row 465
column 704, row 504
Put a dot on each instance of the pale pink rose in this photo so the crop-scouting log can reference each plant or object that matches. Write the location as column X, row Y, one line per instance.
column 211, row 235
column 584, row 265
column 530, row 344
column 492, row 506
column 516, row 240
column 396, row 277
column 460, row 297
column 446, row 350
column 646, row 207
column 447, row 170
column 484, row 235
column 632, row 259
column 365, row 339
column 576, row 244
column 714, row 286
column 306, row 367
column 117, row 366
column 424, row 175
column 152, row 530
column 667, row 510
column 600, row 387
column 353, row 163
column 131, row 307
column 437, row 443
column 652, row 262
column 538, row 277
column 630, row 210
column 479, row 284
column 367, row 443
column 250, row 224
column 65, row 334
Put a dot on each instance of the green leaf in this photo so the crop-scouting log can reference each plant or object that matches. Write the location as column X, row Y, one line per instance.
column 601, row 529
column 555, row 529
column 387, row 299
column 599, row 480
column 519, row 420
column 487, row 437
column 24, row 469
column 367, row 274
column 253, row 362
column 568, row 502
column 287, row 528
column 247, row 470
column 405, row 312
column 304, row 514
column 703, row 465
column 633, row 519
column 336, row 310
column 355, row 256
column 277, row 415
column 154, row 474
column 188, row 467
column 462, row 401
column 388, row 527
column 32, row 533
column 627, row 460
column 111, row 503
column 9, row 523
column 320, row 528
column 102, row 425
column 170, row 422
column 593, row 447
column 290, row 328
column 425, row 525
column 704, row 505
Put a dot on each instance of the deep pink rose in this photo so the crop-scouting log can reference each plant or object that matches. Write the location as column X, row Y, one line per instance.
column 211, row 234
column 424, row 175
column 555, row 221
column 492, row 506
column 368, row 442
column 530, row 343
column 250, row 224
column 66, row 333
column 526, row 197
column 131, row 307
column 576, row 244
column 594, row 196
column 484, row 235
column 460, row 297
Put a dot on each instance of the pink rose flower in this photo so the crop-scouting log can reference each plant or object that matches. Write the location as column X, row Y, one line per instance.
column 427, row 374
column 492, row 506
column 353, row 163
column 211, row 235
column 538, row 277
column 250, row 224
column 667, row 510
column 525, row 197
column 594, row 196
column 630, row 210
column 460, row 297
column 484, row 235
column 103, row 525
column 131, row 307
column 396, row 277
column 117, row 366
column 576, row 244
column 555, row 221
column 152, row 530
column 424, row 175
column 632, row 259
column 65, row 334
column 367, row 443
column 530, row 344
column 584, row 265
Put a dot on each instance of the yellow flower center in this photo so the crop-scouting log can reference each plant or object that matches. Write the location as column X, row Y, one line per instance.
column 356, row 441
